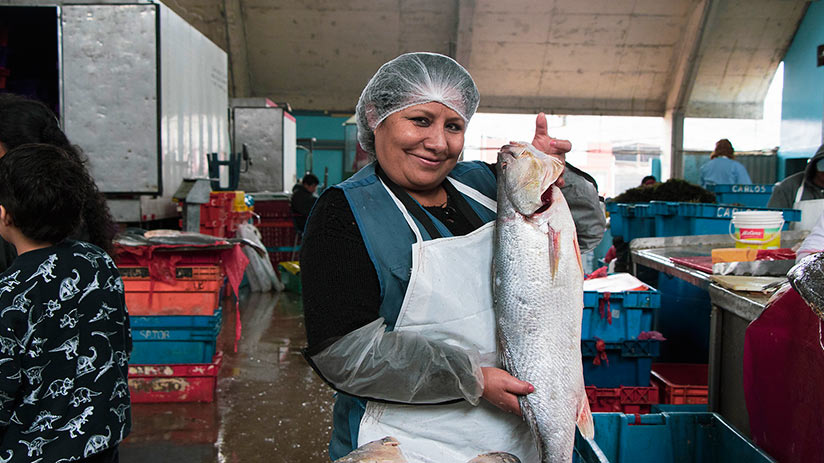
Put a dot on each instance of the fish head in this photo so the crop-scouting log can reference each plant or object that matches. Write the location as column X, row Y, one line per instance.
column 807, row 278
column 528, row 175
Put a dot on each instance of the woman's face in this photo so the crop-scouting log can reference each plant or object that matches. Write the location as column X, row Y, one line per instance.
column 418, row 146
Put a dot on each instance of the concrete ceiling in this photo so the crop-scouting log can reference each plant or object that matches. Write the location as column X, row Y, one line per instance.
column 704, row 58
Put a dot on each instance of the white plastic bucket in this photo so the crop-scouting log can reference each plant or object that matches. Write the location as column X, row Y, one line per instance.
column 757, row 229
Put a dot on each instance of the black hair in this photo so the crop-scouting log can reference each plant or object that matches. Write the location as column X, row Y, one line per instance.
column 309, row 180
column 44, row 191
column 24, row 121
column 648, row 177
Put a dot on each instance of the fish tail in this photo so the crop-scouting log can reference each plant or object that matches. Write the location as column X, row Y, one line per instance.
column 585, row 423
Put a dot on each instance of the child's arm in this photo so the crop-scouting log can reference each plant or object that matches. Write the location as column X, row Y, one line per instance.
column 10, row 371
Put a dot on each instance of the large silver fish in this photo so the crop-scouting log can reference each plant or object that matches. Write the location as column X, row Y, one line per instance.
column 539, row 298
column 387, row 450
column 807, row 277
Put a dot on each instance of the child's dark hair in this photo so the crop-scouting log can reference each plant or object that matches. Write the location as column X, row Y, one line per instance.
column 24, row 121
column 44, row 191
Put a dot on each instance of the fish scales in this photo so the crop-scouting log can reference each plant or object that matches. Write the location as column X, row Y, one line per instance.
column 539, row 298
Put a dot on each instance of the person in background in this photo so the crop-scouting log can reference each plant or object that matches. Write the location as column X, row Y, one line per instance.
column 804, row 191
column 649, row 180
column 64, row 327
column 814, row 242
column 303, row 198
column 29, row 121
column 723, row 169
column 405, row 341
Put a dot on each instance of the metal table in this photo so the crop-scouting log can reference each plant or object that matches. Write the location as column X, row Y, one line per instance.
column 732, row 312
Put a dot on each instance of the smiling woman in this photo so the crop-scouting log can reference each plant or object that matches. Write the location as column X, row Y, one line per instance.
column 387, row 330
column 418, row 146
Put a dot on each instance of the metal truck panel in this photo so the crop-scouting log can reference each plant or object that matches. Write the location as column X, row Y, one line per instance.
column 194, row 101
column 269, row 134
column 109, row 81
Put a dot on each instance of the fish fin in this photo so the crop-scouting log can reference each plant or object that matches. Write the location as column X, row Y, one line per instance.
column 532, row 421
column 578, row 254
column 585, row 424
column 554, row 237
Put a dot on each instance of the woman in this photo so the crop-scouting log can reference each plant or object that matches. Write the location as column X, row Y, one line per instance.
column 25, row 121
column 723, row 169
column 388, row 339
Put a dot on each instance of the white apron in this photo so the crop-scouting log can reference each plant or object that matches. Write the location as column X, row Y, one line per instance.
column 811, row 210
column 449, row 298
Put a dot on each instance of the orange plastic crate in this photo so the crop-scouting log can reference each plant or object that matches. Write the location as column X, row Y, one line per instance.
column 681, row 383
column 195, row 291
column 624, row 399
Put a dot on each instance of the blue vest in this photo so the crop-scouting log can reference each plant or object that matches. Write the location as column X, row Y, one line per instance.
column 388, row 241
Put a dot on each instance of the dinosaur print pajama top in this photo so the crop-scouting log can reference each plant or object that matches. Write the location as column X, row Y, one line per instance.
column 64, row 347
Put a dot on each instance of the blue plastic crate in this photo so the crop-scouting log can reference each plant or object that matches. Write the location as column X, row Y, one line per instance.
column 665, row 438
column 174, row 339
column 757, row 195
column 632, row 313
column 630, row 221
column 678, row 408
column 683, row 219
column 629, row 363
column 176, row 321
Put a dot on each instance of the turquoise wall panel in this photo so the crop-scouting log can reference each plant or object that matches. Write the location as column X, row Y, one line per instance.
column 802, row 110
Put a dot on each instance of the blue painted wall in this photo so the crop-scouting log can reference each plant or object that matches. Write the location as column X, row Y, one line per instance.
column 321, row 127
column 802, row 110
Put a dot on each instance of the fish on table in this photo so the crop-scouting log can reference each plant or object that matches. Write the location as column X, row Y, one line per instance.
column 538, row 288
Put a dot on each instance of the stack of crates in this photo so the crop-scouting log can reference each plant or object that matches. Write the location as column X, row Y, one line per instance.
column 175, row 326
column 666, row 218
column 616, row 363
column 277, row 229
column 223, row 213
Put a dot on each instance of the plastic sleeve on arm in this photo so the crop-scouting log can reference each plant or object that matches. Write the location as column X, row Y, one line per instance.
column 400, row 366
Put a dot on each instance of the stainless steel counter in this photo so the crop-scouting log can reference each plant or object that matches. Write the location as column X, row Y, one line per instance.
column 732, row 312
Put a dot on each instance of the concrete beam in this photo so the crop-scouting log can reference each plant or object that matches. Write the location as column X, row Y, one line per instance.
column 686, row 63
column 462, row 41
column 239, row 77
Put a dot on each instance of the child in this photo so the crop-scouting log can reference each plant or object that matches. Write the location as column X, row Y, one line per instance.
column 64, row 329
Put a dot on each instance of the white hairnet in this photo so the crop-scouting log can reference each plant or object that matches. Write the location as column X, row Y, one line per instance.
column 412, row 79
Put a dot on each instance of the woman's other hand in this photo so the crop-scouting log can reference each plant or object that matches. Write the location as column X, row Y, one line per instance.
column 549, row 145
column 503, row 389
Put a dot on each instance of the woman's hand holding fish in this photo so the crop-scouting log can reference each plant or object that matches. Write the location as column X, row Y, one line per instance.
column 549, row 145
column 503, row 389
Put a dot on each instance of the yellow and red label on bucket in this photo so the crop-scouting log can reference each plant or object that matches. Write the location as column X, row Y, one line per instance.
column 757, row 229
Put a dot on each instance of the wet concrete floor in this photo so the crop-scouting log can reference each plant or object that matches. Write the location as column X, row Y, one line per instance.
column 270, row 406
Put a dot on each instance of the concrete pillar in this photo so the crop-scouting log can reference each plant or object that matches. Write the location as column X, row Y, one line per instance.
column 673, row 162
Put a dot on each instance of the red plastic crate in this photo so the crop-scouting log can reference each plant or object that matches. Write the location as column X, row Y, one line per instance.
column 196, row 291
column 174, row 383
column 188, row 258
column 681, row 383
column 276, row 234
column 625, row 399
column 273, row 209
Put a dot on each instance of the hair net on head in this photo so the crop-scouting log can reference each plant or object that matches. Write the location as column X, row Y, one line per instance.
column 412, row 79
